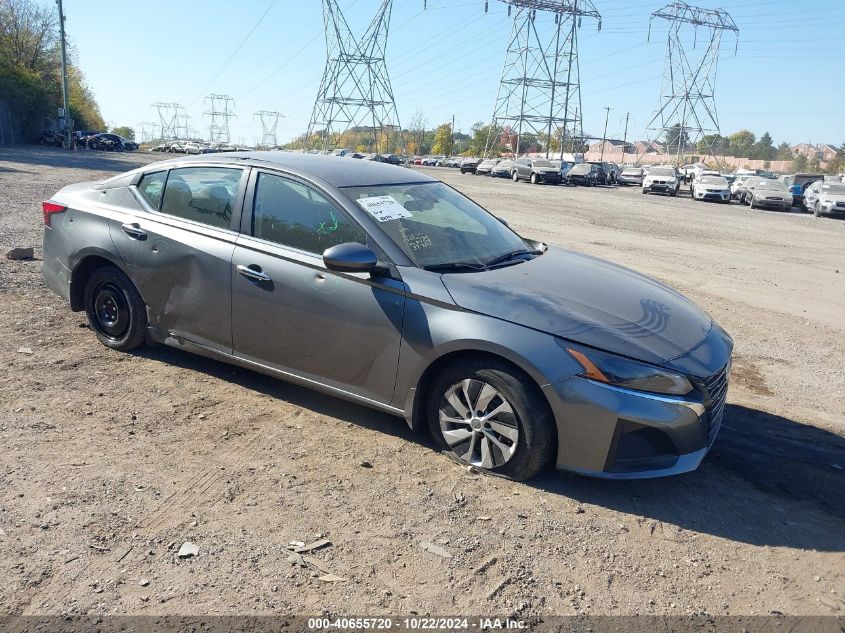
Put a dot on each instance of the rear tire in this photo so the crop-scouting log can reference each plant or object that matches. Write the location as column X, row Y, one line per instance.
column 517, row 442
column 116, row 311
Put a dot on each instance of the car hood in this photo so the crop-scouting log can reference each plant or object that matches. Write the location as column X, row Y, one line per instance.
column 771, row 193
column 586, row 300
column 833, row 197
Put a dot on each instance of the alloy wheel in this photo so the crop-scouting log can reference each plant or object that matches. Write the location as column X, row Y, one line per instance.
column 478, row 424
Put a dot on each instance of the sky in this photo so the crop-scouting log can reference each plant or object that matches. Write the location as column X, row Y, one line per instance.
column 785, row 78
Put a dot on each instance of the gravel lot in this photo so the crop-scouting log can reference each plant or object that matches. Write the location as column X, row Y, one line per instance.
column 110, row 462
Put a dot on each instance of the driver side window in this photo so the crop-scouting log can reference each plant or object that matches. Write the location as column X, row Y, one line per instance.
column 291, row 214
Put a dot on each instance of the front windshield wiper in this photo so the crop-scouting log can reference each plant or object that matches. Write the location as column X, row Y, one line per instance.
column 512, row 254
column 454, row 266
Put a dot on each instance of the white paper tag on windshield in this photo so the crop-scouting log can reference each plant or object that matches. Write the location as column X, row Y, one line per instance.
column 384, row 208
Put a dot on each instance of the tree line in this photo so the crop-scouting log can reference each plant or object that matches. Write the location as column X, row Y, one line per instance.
column 30, row 70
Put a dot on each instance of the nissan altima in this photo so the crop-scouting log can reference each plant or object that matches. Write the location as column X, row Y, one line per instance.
column 384, row 286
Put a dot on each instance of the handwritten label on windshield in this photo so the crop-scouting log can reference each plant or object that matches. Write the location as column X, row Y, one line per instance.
column 384, row 208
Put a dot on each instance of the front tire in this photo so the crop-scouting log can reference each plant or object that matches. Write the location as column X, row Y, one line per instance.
column 817, row 210
column 534, row 179
column 490, row 415
column 116, row 311
column 515, row 177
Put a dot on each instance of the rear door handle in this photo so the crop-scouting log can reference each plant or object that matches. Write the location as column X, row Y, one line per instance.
column 134, row 231
column 253, row 272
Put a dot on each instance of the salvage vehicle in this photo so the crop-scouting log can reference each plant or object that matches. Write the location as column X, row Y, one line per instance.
column 712, row 188
column 825, row 198
column 503, row 169
column 662, row 180
column 535, row 171
column 486, row 167
column 632, row 176
column 586, row 174
column 797, row 184
column 469, row 165
column 384, row 286
column 768, row 193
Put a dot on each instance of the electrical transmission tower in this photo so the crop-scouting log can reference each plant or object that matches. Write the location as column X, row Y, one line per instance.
column 540, row 94
column 147, row 131
column 220, row 111
column 170, row 116
column 355, row 93
column 686, row 113
column 269, row 123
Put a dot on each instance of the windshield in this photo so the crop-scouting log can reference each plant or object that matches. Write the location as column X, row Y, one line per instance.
column 714, row 180
column 770, row 184
column 543, row 163
column 837, row 190
column 662, row 171
column 434, row 225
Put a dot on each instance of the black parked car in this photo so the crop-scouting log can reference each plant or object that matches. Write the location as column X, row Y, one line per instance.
column 604, row 173
column 587, row 174
column 469, row 165
column 105, row 142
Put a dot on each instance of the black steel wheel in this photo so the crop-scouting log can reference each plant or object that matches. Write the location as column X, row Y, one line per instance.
column 116, row 312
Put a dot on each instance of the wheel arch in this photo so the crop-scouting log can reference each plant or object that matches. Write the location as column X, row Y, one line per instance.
column 87, row 264
column 418, row 396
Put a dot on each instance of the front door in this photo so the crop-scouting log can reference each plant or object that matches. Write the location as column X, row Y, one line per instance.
column 178, row 250
column 292, row 314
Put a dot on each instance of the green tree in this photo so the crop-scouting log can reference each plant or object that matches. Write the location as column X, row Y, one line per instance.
column 442, row 139
column 715, row 143
column 799, row 163
column 677, row 139
column 784, row 152
column 124, row 131
column 742, row 142
column 764, row 149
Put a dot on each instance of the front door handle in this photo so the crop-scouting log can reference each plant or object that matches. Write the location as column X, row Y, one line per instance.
column 134, row 231
column 253, row 272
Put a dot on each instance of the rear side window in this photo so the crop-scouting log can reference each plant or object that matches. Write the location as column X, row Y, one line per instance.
column 151, row 187
column 291, row 214
column 202, row 194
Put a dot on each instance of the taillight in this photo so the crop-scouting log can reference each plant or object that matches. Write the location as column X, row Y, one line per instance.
column 49, row 208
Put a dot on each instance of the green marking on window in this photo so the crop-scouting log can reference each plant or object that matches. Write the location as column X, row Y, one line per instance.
column 325, row 230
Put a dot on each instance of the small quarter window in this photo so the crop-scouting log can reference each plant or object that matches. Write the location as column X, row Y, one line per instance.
column 151, row 186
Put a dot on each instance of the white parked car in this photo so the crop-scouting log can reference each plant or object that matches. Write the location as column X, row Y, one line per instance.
column 739, row 186
column 825, row 198
column 711, row 188
column 632, row 176
column 662, row 180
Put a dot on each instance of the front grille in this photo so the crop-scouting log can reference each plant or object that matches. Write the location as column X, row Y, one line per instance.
column 840, row 204
column 773, row 198
column 716, row 392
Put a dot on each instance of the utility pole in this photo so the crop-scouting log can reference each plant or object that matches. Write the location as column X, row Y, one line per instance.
column 66, row 118
column 625, row 136
column 452, row 140
column 604, row 137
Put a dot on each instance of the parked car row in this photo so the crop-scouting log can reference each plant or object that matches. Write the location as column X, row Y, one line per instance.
column 194, row 147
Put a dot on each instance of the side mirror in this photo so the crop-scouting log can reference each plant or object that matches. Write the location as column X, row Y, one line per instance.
column 350, row 257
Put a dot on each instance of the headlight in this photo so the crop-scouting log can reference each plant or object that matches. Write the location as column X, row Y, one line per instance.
column 623, row 372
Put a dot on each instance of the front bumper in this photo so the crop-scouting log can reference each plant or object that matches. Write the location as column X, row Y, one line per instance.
column 616, row 433
column 711, row 195
column 553, row 177
column 657, row 187
column 773, row 204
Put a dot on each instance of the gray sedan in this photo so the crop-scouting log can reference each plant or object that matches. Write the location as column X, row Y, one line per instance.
column 386, row 287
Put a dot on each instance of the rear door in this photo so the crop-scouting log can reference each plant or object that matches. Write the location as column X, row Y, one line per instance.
column 178, row 245
column 292, row 314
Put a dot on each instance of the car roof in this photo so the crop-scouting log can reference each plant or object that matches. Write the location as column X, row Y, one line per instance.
column 334, row 170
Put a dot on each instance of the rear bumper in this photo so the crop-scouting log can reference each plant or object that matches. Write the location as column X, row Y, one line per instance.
column 56, row 275
column 773, row 204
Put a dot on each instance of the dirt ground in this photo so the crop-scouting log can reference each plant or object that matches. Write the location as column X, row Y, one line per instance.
column 110, row 462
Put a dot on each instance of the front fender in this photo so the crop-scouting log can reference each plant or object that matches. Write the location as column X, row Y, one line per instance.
column 432, row 332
